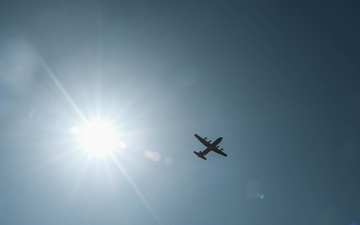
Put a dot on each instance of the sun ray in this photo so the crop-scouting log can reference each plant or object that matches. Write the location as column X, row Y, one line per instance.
column 77, row 185
column 63, row 91
column 138, row 192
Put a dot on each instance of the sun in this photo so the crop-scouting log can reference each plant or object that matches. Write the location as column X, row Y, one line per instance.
column 97, row 137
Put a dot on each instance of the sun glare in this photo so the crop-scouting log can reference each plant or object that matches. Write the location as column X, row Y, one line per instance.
column 97, row 137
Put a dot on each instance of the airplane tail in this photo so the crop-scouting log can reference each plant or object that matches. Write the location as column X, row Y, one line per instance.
column 200, row 155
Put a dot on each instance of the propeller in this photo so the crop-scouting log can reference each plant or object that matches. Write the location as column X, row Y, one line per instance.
column 221, row 149
column 205, row 138
column 209, row 141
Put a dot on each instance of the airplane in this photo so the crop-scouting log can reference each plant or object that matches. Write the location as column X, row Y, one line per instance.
column 209, row 147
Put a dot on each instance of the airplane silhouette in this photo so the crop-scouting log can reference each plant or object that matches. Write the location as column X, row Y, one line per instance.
column 209, row 147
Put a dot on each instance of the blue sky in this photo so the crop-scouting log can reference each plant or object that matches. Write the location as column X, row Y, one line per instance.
column 278, row 80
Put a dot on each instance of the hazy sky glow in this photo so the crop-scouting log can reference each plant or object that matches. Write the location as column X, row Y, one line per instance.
column 278, row 80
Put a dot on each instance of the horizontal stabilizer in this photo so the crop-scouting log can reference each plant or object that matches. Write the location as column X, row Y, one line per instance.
column 200, row 155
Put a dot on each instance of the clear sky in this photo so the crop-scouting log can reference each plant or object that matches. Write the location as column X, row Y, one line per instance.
column 278, row 80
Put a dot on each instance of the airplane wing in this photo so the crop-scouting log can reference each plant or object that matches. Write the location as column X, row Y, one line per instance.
column 203, row 141
column 218, row 151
